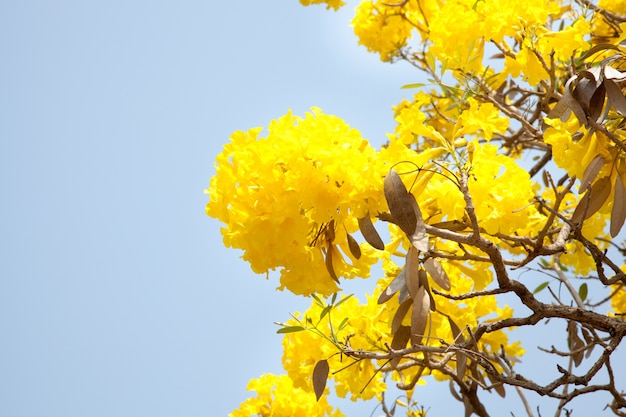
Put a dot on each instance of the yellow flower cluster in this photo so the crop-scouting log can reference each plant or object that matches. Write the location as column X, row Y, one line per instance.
column 367, row 328
column 386, row 28
column 290, row 197
column 381, row 28
column 575, row 156
column 330, row 4
column 276, row 396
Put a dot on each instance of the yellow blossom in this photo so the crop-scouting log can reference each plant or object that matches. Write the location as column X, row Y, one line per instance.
column 289, row 198
column 277, row 396
column 334, row 4
column 484, row 117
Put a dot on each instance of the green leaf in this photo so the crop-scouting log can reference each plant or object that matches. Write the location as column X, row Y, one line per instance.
column 343, row 323
column 317, row 300
column 582, row 291
column 325, row 311
column 346, row 298
column 415, row 85
column 290, row 329
column 541, row 287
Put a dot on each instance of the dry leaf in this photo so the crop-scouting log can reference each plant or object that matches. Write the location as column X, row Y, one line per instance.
column 498, row 386
column 329, row 263
column 597, row 48
column 404, row 294
column 591, row 172
column 572, row 102
column 461, row 364
column 355, row 249
column 436, row 271
column 456, row 331
column 618, row 213
column 452, row 225
column 419, row 238
column 396, row 323
column 616, row 97
column 394, row 286
column 411, row 271
column 596, row 103
column 320, row 376
column 593, row 200
column 419, row 316
column 424, row 283
column 589, row 340
column 369, row 233
column 614, row 74
column 575, row 342
column 399, row 202
column 400, row 339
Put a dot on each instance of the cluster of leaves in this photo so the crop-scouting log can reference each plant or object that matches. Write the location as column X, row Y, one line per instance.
column 468, row 216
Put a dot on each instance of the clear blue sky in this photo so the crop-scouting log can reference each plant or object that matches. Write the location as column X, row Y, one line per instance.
column 117, row 297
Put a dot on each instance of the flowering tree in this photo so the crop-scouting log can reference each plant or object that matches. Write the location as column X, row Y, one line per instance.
column 511, row 159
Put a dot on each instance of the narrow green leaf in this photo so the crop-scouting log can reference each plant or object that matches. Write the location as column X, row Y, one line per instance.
column 415, row 85
column 343, row 323
column 540, row 287
column 582, row 291
column 343, row 300
column 325, row 311
column 290, row 329
column 318, row 301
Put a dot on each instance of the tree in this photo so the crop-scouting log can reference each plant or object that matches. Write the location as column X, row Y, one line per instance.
column 511, row 160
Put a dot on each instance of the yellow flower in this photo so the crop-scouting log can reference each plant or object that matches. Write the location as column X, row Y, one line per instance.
column 334, row 4
column 564, row 43
column 527, row 65
column 483, row 117
column 499, row 206
column 289, row 198
column 277, row 396
column 381, row 29
column 367, row 328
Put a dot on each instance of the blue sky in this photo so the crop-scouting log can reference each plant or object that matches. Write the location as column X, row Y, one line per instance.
column 117, row 297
